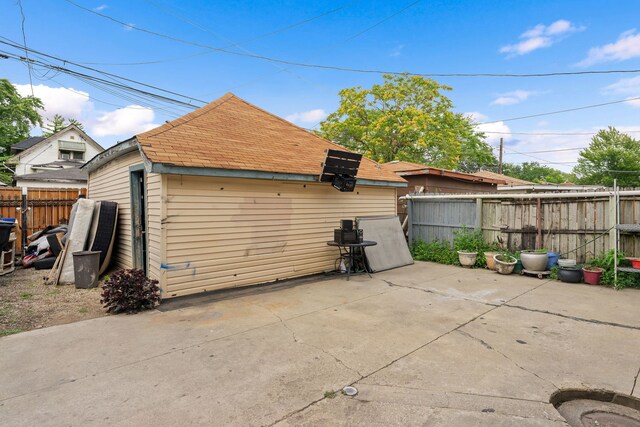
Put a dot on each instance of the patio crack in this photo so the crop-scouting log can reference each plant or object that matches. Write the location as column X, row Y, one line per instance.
column 443, row 294
column 299, row 341
column 635, row 381
column 490, row 347
column 578, row 319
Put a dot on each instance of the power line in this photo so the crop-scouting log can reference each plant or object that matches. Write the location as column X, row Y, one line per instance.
column 561, row 111
column 66, row 61
column 338, row 68
column 26, row 51
column 551, row 151
column 120, row 86
column 552, row 133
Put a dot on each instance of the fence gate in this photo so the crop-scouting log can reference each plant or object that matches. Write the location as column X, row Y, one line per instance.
column 431, row 220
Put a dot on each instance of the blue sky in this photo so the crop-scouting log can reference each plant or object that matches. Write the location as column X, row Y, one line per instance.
column 430, row 36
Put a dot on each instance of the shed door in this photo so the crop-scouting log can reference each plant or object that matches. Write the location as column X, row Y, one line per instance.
column 138, row 220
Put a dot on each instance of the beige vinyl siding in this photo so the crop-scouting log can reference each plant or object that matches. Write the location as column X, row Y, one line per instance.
column 228, row 232
column 112, row 182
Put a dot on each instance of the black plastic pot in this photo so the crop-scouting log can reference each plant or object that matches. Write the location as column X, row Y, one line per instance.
column 570, row 274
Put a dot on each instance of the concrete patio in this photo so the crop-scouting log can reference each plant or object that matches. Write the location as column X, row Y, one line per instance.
column 424, row 345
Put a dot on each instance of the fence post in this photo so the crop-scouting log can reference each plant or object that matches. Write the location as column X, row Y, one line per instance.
column 410, row 220
column 479, row 214
column 612, row 222
column 24, row 219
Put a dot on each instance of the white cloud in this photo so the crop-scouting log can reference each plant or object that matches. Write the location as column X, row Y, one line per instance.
column 127, row 121
column 129, row 26
column 100, row 8
column 311, row 116
column 68, row 102
column 396, row 51
column 541, row 36
column 629, row 87
column 626, row 47
column 510, row 98
column 491, row 138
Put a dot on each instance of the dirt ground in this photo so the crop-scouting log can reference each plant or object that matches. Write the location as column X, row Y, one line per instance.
column 27, row 303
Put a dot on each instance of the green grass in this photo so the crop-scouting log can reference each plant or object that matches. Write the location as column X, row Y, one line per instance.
column 330, row 394
column 7, row 332
column 26, row 295
column 4, row 311
column 84, row 310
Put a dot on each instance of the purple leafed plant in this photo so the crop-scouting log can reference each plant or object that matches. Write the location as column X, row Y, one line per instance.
column 129, row 291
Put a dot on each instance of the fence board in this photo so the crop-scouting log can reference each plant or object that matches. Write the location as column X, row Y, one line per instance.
column 568, row 226
column 45, row 207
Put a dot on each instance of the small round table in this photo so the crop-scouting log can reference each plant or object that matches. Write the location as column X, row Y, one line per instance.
column 352, row 257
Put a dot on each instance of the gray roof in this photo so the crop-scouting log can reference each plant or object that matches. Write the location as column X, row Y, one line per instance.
column 60, row 164
column 60, row 175
column 27, row 143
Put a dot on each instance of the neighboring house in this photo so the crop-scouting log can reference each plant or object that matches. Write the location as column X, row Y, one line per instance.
column 58, row 157
column 229, row 195
column 509, row 181
column 61, row 178
column 427, row 179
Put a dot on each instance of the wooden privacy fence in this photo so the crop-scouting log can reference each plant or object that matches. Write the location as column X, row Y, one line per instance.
column 44, row 207
column 578, row 227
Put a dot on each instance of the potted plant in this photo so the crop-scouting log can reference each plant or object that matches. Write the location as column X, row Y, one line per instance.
column 592, row 274
column 505, row 263
column 467, row 259
column 534, row 260
column 570, row 274
column 491, row 265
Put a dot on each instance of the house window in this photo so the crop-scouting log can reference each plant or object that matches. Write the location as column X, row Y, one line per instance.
column 70, row 155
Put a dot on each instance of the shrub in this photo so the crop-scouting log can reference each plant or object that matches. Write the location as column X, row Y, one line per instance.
column 129, row 291
column 625, row 280
column 442, row 252
column 436, row 251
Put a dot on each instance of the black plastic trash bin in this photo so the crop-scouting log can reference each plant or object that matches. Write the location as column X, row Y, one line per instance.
column 86, row 268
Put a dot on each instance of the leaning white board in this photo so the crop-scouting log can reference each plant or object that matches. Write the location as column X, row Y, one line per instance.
column 392, row 250
column 77, row 237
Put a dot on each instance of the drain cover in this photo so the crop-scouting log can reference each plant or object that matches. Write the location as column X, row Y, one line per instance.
column 352, row 391
column 587, row 408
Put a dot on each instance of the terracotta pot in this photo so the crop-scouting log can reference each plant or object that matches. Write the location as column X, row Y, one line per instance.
column 467, row 259
column 534, row 261
column 592, row 275
column 505, row 264
column 491, row 265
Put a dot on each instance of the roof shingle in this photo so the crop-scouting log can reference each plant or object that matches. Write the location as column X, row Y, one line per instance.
column 231, row 133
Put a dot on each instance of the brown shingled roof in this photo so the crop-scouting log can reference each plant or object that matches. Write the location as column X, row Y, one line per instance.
column 403, row 168
column 231, row 133
column 506, row 178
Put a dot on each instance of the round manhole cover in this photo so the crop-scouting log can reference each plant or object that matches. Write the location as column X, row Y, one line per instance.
column 588, row 408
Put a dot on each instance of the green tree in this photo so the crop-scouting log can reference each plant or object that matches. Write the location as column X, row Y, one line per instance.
column 18, row 115
column 404, row 118
column 57, row 123
column 475, row 153
column 535, row 172
column 610, row 155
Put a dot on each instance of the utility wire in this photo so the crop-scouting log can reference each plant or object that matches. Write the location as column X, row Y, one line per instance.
column 11, row 43
column 334, row 67
column 560, row 111
column 250, row 40
column 103, row 81
column 551, row 133
column 26, row 51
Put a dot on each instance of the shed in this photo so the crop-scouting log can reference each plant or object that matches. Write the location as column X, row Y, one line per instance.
column 427, row 179
column 229, row 195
